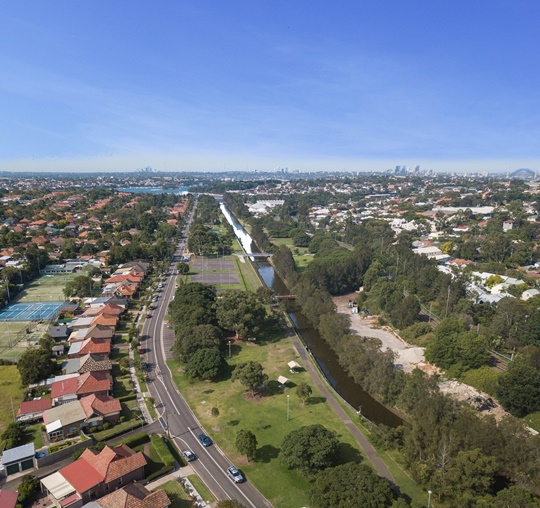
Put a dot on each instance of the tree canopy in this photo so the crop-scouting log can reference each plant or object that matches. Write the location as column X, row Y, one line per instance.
column 352, row 485
column 242, row 312
column 251, row 375
column 309, row 449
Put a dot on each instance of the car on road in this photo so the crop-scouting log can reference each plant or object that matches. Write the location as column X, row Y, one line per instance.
column 205, row 440
column 189, row 456
column 148, row 315
column 235, row 475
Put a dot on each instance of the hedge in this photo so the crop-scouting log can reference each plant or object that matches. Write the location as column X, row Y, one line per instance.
column 136, row 440
column 163, row 451
column 163, row 471
column 126, row 398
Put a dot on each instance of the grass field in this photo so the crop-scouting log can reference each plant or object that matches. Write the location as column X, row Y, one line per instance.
column 266, row 417
column 12, row 393
column 302, row 256
column 10, row 332
column 47, row 288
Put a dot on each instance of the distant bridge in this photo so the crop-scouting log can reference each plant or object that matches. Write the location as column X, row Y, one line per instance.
column 524, row 173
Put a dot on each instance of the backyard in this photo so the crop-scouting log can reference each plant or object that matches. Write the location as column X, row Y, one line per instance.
column 12, row 394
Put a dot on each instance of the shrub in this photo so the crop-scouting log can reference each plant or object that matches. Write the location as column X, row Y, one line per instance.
column 161, row 448
column 136, row 440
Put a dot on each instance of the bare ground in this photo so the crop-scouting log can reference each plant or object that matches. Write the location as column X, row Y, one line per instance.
column 407, row 357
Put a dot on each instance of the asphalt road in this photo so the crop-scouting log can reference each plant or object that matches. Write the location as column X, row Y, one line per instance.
column 176, row 416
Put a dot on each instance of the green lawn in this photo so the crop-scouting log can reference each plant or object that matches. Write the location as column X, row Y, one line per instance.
column 266, row 417
column 178, row 498
column 302, row 256
column 35, row 435
column 12, row 394
column 201, row 488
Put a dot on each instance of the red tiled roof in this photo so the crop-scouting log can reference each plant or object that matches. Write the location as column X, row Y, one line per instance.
column 65, row 387
column 34, row 406
column 91, row 382
column 100, row 404
column 135, row 496
column 105, row 320
column 96, row 346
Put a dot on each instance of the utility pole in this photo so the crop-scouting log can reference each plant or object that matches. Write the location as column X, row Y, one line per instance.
column 447, row 302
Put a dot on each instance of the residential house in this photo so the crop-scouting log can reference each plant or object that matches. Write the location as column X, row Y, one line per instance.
column 94, row 475
column 32, row 410
column 87, row 363
column 8, row 499
column 59, row 333
column 90, row 411
column 90, row 346
column 135, row 495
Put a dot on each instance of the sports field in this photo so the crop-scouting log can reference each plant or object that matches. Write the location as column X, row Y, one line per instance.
column 13, row 338
column 47, row 288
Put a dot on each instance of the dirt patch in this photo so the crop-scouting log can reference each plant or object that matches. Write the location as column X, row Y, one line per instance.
column 407, row 357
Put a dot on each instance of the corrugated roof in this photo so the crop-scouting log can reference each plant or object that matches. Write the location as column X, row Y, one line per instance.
column 17, row 454
column 58, row 485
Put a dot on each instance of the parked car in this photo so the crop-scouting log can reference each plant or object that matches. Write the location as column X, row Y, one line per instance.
column 155, row 299
column 205, row 440
column 148, row 315
column 235, row 475
column 189, row 456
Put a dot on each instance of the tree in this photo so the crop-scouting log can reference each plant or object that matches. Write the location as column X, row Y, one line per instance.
column 519, row 388
column 246, row 443
column 251, row 375
column 80, row 286
column 13, row 435
column 351, row 484
column 34, row 365
column 191, row 339
column 27, row 488
column 513, row 497
column 264, row 294
column 183, row 268
column 469, row 475
column 242, row 312
column 309, row 449
column 303, row 392
column 205, row 364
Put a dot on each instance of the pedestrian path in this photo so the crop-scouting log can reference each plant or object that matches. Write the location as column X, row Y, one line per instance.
column 371, row 453
column 180, row 475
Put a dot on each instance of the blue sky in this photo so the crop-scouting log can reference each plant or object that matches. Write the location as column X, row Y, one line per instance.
column 259, row 84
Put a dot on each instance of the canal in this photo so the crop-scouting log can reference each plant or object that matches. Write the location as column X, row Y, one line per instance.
column 326, row 358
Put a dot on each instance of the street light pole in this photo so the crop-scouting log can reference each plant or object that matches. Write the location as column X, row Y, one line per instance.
column 429, row 499
column 230, row 342
column 288, row 406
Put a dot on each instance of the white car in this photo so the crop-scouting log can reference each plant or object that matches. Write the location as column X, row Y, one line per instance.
column 235, row 475
column 189, row 456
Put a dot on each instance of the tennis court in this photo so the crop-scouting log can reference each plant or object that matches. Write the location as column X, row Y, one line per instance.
column 30, row 311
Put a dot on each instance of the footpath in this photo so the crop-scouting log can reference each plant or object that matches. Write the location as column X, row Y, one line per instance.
column 371, row 453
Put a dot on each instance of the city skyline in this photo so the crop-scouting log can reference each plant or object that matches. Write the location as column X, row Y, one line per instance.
column 250, row 86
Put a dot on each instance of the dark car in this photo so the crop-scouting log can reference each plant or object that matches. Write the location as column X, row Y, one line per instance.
column 189, row 456
column 205, row 440
column 235, row 475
